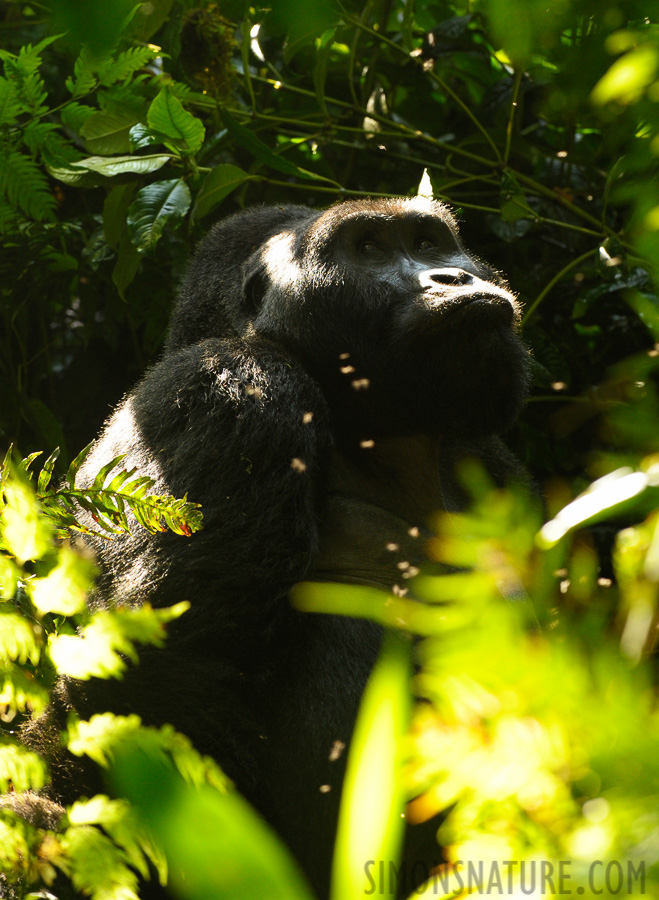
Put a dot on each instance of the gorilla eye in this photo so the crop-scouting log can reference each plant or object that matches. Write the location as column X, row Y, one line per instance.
column 424, row 245
column 366, row 248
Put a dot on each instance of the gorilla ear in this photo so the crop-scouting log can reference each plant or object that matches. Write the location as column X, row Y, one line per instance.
column 255, row 285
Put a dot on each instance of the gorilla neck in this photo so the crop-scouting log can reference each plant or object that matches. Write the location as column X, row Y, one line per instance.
column 381, row 499
column 400, row 473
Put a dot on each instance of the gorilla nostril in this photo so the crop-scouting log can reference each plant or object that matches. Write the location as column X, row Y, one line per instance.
column 449, row 277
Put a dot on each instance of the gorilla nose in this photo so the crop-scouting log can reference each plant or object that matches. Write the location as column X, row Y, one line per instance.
column 446, row 277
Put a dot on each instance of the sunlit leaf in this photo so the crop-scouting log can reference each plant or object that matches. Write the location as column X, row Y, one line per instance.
column 371, row 818
column 26, row 532
column 155, row 206
column 64, row 589
column 21, row 769
column 19, row 641
column 168, row 116
column 628, row 77
column 216, row 845
column 103, row 646
column 217, row 185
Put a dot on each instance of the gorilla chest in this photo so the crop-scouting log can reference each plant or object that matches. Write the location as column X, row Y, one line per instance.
column 378, row 506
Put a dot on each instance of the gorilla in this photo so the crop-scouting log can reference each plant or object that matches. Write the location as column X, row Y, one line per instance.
column 324, row 374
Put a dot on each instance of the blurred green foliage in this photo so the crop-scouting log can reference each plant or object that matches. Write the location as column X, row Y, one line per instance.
column 125, row 131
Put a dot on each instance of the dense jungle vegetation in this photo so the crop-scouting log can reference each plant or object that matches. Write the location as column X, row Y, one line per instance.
column 126, row 130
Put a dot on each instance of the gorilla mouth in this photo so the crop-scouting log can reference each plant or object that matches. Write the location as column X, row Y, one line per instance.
column 474, row 303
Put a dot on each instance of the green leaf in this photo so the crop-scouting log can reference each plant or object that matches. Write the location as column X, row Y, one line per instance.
column 370, row 819
column 64, row 589
column 140, row 136
column 19, row 691
column 115, row 209
column 84, row 73
column 217, row 185
column 217, row 845
column 628, row 77
column 18, row 640
column 94, row 170
column 77, row 462
column 98, row 867
column 118, row 820
column 47, row 471
column 119, row 165
column 155, row 205
column 25, row 186
column 21, row 769
column 125, row 65
column 103, row 646
column 167, row 115
column 10, row 105
column 26, row 533
column 74, row 115
column 107, row 131
column 262, row 152
column 126, row 266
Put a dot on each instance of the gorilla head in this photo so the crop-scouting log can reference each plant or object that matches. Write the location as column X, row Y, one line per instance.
column 404, row 329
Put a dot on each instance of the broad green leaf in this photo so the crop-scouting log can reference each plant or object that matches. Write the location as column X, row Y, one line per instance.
column 168, row 116
column 126, row 266
column 628, row 77
column 371, row 817
column 115, row 210
column 140, row 136
column 155, row 205
column 107, row 131
column 94, row 170
column 217, row 846
column 217, row 185
column 119, row 165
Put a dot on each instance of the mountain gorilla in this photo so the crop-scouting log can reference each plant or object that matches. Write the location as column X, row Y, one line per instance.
column 324, row 373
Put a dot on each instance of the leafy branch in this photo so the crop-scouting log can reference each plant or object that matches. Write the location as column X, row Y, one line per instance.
column 114, row 494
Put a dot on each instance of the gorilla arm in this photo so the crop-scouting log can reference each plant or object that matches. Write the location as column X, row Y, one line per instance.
column 227, row 422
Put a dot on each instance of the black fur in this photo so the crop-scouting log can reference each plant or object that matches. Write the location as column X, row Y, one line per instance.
column 323, row 374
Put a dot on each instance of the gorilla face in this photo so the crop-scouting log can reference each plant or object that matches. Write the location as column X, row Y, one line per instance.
column 404, row 329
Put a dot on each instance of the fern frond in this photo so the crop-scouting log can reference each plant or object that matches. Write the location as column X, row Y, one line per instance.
column 84, row 73
column 24, row 185
column 125, row 65
column 74, row 115
column 10, row 105
column 23, row 72
column 109, row 500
